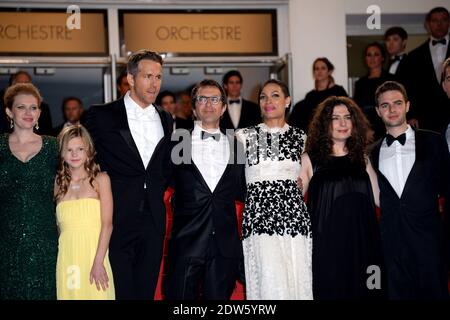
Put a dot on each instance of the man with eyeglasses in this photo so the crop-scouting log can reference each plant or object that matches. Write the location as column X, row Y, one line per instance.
column 205, row 248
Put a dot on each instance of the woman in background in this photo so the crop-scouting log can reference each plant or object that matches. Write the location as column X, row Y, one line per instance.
column 324, row 87
column 365, row 87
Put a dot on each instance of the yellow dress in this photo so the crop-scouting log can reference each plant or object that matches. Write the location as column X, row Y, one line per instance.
column 79, row 223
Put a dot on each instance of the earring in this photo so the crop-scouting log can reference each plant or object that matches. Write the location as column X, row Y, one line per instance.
column 286, row 106
column 37, row 125
column 11, row 123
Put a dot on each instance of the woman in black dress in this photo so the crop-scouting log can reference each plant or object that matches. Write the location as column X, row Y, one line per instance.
column 365, row 87
column 324, row 87
column 342, row 194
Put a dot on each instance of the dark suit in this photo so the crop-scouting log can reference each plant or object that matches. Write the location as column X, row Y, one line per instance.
column 205, row 247
column 424, row 90
column 400, row 68
column 250, row 116
column 411, row 229
column 139, row 213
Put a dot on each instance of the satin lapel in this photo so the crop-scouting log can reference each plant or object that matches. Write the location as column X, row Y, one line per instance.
column 227, row 119
column 376, row 154
column 197, row 171
column 448, row 52
column 420, row 154
column 194, row 167
column 376, row 165
column 429, row 63
column 167, row 131
column 231, row 160
column 243, row 115
column 124, row 129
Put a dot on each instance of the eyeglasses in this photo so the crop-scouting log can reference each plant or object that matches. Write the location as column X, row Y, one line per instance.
column 203, row 100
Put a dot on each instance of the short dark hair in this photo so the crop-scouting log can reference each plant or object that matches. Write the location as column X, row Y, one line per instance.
column 136, row 57
column 122, row 75
column 207, row 83
column 67, row 99
column 445, row 66
column 390, row 86
column 12, row 78
column 231, row 73
column 164, row 94
column 436, row 10
column 396, row 31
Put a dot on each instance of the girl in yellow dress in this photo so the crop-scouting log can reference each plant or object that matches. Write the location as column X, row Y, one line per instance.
column 84, row 215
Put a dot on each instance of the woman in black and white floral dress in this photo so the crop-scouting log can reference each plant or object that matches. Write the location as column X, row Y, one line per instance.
column 276, row 226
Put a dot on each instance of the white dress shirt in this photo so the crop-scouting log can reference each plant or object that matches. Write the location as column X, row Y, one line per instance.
column 438, row 52
column 234, row 110
column 145, row 126
column 397, row 161
column 210, row 156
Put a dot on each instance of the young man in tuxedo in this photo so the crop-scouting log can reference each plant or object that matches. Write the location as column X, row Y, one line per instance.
column 240, row 113
column 132, row 139
column 413, row 170
column 205, row 248
column 395, row 39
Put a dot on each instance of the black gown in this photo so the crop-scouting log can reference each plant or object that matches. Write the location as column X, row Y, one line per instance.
column 346, row 239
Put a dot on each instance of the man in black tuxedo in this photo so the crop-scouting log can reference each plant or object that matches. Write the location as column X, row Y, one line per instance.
column 395, row 39
column 132, row 138
column 240, row 113
column 422, row 73
column 413, row 170
column 73, row 113
column 205, row 248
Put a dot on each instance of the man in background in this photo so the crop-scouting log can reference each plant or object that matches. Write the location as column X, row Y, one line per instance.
column 240, row 113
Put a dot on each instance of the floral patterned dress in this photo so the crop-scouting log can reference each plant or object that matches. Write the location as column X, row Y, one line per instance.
column 277, row 238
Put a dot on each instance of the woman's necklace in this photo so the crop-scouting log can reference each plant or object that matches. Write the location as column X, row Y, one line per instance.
column 75, row 185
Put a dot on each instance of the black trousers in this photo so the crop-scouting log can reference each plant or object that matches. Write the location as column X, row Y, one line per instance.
column 211, row 277
column 135, row 259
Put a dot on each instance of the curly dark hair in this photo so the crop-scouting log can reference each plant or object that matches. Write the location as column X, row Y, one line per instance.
column 319, row 144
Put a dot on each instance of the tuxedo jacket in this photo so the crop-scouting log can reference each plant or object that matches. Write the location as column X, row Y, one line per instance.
column 400, row 68
column 424, row 90
column 411, row 227
column 135, row 189
column 250, row 116
column 201, row 215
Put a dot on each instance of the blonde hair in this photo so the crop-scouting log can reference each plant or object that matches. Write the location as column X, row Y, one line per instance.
column 63, row 175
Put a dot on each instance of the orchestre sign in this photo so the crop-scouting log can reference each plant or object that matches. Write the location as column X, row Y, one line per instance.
column 47, row 33
column 200, row 33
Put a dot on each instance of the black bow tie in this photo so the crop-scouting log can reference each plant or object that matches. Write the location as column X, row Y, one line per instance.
column 234, row 101
column 206, row 135
column 401, row 138
column 396, row 58
column 442, row 41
